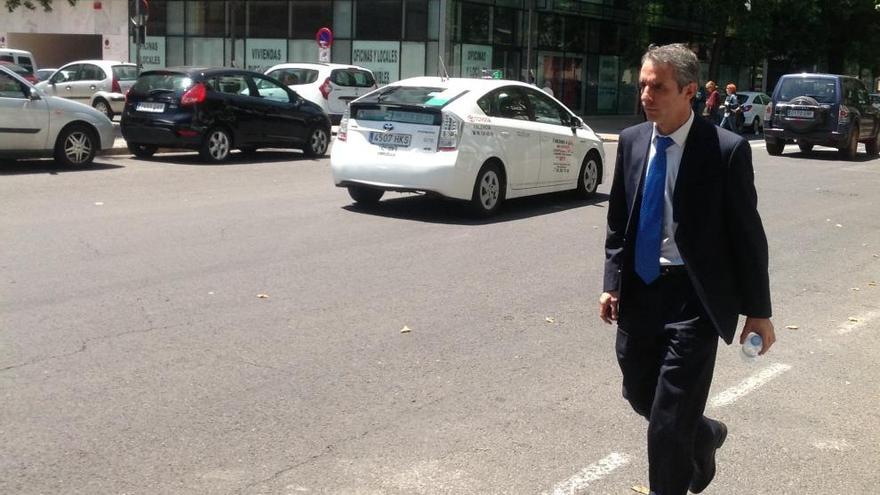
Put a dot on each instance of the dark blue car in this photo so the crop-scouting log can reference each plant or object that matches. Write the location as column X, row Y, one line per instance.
column 219, row 109
column 822, row 109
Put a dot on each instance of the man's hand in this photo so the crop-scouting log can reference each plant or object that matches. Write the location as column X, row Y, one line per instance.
column 608, row 306
column 762, row 327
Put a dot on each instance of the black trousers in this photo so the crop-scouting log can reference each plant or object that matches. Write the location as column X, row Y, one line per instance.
column 666, row 349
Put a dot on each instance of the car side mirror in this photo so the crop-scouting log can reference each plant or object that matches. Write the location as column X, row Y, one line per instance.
column 34, row 94
column 576, row 122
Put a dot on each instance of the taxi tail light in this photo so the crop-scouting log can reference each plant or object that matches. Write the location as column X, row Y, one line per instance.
column 194, row 95
column 342, row 132
column 450, row 133
column 325, row 88
column 115, row 87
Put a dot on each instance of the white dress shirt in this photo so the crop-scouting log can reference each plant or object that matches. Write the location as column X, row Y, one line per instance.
column 669, row 254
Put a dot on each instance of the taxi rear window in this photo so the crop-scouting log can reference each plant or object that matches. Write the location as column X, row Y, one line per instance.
column 422, row 96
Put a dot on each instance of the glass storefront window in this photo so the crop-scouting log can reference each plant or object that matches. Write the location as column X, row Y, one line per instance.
column 157, row 23
column 504, row 26
column 412, row 59
column 268, row 19
column 309, row 16
column 378, row 20
column 341, row 52
column 341, row 19
column 305, row 50
column 204, row 18
column 575, row 34
column 475, row 22
column 550, row 29
column 433, row 19
column 204, row 51
column 174, row 51
column 175, row 16
column 416, row 20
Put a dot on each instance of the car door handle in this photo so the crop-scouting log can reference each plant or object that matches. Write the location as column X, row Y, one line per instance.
column 67, row 88
column 92, row 88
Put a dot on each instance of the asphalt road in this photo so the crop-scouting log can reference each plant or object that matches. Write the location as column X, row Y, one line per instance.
column 137, row 355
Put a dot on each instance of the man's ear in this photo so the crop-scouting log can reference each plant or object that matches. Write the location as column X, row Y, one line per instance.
column 690, row 90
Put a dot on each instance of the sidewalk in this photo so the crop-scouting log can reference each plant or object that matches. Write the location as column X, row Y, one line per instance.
column 608, row 127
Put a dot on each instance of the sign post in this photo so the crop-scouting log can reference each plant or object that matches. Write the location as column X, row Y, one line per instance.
column 324, row 38
column 141, row 14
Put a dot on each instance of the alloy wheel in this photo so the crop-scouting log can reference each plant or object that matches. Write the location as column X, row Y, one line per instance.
column 490, row 188
column 78, row 147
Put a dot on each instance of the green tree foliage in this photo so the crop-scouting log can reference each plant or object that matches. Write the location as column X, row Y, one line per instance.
column 11, row 5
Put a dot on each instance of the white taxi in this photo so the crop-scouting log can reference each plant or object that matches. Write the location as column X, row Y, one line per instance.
column 478, row 140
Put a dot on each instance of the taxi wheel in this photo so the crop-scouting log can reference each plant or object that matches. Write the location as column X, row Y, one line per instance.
column 318, row 141
column 489, row 191
column 216, row 146
column 76, row 146
column 365, row 195
column 774, row 146
column 588, row 180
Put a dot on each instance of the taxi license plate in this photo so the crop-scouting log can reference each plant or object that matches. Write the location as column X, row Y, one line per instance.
column 804, row 114
column 151, row 107
column 390, row 139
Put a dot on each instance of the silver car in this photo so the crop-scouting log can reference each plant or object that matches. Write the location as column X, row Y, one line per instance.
column 34, row 124
column 99, row 83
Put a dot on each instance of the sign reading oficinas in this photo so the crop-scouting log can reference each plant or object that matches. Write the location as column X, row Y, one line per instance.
column 381, row 57
column 475, row 59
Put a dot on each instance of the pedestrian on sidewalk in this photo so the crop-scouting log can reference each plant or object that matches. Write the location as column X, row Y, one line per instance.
column 685, row 254
column 713, row 102
column 732, row 110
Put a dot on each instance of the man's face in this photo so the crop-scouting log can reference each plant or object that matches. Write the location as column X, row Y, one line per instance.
column 663, row 102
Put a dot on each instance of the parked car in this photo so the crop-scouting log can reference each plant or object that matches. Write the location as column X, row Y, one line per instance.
column 100, row 83
column 34, row 124
column 21, row 71
column 43, row 74
column 753, row 105
column 214, row 110
column 330, row 86
column 23, row 58
column 476, row 140
column 821, row 109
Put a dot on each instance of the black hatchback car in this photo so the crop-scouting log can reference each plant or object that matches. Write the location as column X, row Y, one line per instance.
column 822, row 109
column 218, row 109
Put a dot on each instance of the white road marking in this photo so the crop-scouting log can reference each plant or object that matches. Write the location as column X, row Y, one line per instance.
column 861, row 321
column 832, row 444
column 751, row 383
column 594, row 472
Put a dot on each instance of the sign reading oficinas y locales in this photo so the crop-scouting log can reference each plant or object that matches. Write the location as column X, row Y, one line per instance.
column 381, row 57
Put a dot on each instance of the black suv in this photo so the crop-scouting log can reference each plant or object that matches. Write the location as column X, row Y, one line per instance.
column 824, row 109
column 216, row 110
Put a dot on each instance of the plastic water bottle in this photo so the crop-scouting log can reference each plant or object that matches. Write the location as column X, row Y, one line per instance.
column 752, row 346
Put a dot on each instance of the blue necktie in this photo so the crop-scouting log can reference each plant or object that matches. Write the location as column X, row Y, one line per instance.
column 651, row 214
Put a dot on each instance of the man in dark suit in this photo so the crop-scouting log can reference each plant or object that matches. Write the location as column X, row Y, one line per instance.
column 685, row 255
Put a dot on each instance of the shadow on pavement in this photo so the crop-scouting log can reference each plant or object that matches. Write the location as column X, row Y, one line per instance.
column 827, row 155
column 178, row 157
column 48, row 166
column 432, row 209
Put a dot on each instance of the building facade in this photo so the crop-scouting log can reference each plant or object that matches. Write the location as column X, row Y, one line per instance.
column 582, row 50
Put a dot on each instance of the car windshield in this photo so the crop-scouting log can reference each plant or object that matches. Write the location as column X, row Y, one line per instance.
column 155, row 82
column 124, row 72
column 294, row 76
column 822, row 89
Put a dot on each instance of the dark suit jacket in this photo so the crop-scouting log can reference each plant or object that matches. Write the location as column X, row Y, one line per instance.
column 720, row 235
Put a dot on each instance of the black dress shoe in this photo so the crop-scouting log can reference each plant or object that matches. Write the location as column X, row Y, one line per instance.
column 704, row 466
